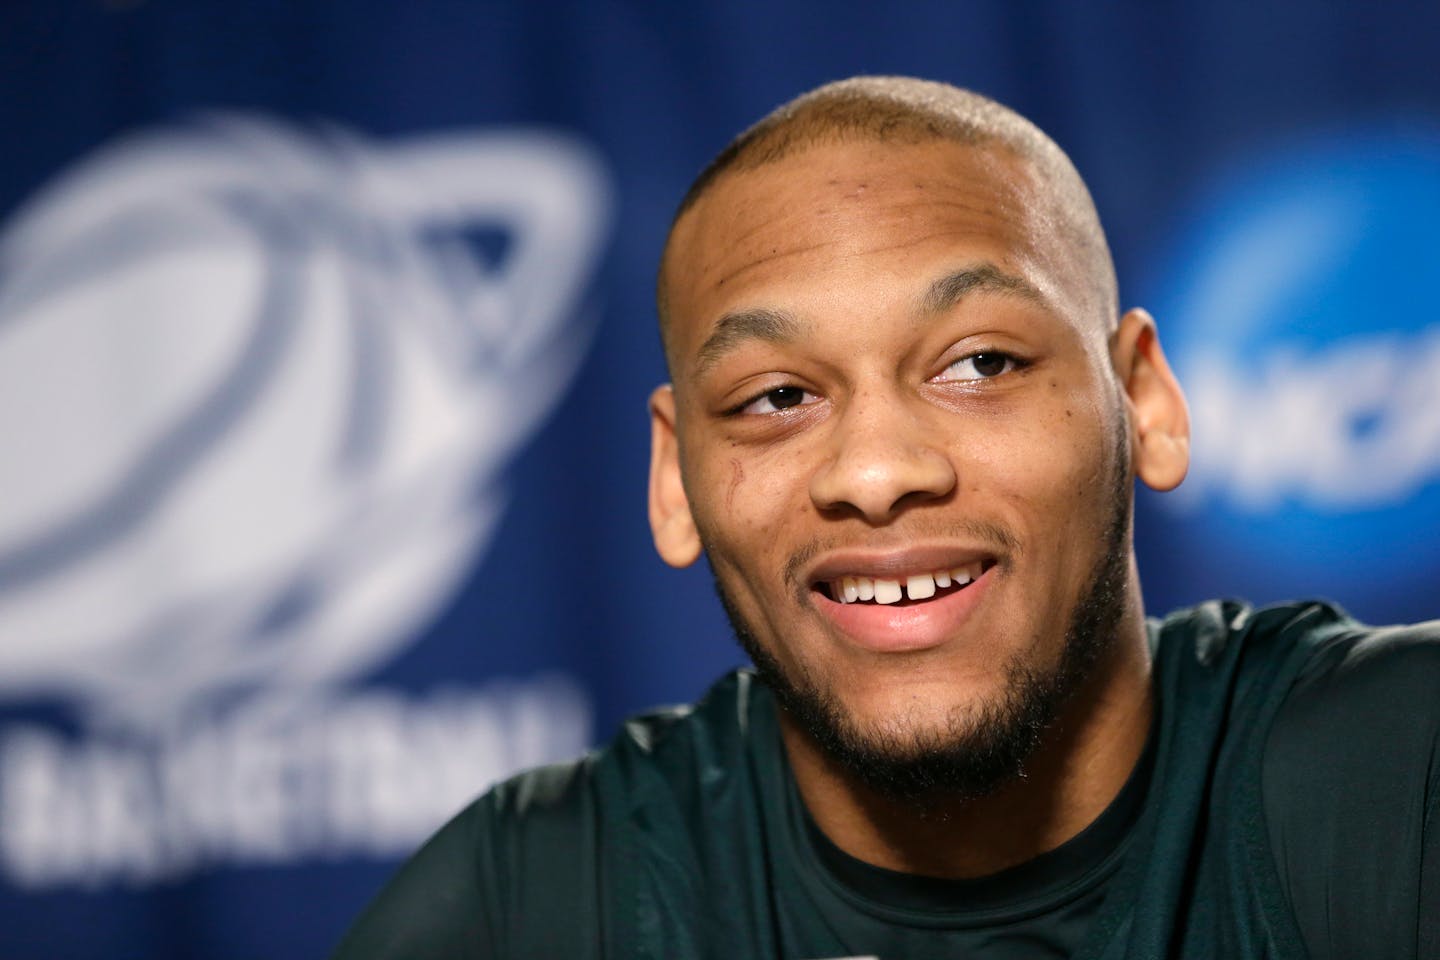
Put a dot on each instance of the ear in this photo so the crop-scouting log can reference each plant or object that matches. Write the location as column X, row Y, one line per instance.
column 1159, row 420
column 672, row 526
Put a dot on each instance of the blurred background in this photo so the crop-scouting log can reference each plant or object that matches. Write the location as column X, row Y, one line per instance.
column 325, row 336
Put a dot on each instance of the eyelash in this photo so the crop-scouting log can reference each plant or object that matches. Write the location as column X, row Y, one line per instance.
column 1012, row 365
column 739, row 409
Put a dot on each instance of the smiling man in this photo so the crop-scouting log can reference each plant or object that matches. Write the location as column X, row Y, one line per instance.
column 905, row 419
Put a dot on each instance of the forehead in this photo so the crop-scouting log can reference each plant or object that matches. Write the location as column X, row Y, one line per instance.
column 855, row 214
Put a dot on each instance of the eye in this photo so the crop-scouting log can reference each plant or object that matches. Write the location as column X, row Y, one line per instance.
column 777, row 401
column 985, row 365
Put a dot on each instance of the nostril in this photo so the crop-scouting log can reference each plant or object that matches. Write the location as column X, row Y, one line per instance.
column 876, row 482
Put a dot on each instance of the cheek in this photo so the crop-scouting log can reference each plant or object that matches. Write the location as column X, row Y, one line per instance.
column 1058, row 469
column 745, row 507
column 741, row 500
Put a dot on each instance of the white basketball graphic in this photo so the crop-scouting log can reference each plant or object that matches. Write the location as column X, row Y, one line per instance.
column 256, row 394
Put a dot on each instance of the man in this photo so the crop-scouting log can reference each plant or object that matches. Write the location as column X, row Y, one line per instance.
column 903, row 427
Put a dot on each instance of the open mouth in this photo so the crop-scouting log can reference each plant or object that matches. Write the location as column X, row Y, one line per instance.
column 905, row 591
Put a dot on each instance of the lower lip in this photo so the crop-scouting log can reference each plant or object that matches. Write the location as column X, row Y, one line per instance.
column 888, row 628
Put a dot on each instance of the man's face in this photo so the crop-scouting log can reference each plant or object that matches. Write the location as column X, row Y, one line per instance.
column 890, row 374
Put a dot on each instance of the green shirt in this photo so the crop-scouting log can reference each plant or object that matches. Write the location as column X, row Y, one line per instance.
column 1287, row 805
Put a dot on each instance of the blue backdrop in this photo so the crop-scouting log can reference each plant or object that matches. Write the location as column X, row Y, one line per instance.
column 325, row 336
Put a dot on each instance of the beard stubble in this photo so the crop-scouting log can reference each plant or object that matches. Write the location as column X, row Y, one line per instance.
column 983, row 745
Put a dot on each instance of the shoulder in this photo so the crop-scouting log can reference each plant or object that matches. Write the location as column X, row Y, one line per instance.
column 722, row 719
column 461, row 894
column 1364, row 695
column 1360, row 664
column 559, row 806
column 1349, row 780
column 1216, row 630
column 533, row 844
column 673, row 763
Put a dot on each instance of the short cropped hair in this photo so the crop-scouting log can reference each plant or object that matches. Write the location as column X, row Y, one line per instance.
column 907, row 110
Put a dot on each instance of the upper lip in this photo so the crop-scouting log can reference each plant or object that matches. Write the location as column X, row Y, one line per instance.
column 892, row 564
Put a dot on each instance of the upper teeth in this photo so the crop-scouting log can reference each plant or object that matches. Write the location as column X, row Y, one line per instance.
column 917, row 587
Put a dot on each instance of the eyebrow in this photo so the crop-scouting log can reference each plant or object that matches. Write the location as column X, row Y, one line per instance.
column 741, row 326
column 777, row 326
column 950, row 289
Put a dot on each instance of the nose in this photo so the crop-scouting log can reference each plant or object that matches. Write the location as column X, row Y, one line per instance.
column 884, row 457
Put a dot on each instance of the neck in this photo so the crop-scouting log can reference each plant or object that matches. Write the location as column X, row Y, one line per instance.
column 1084, row 759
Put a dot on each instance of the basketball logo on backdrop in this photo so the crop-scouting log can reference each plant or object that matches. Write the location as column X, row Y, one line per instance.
column 259, row 387
column 1299, row 310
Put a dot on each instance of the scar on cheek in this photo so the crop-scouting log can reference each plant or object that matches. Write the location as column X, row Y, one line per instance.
column 737, row 474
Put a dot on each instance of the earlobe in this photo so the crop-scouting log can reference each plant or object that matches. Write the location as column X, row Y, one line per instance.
column 1160, row 421
column 671, row 524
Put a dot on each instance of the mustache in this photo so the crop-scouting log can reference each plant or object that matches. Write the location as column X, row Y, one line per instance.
column 983, row 532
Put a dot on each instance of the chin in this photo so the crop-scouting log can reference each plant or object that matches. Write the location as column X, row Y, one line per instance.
column 925, row 709
column 926, row 751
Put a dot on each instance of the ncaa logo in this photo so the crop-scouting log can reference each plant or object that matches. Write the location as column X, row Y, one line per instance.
column 1300, row 313
column 258, row 386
